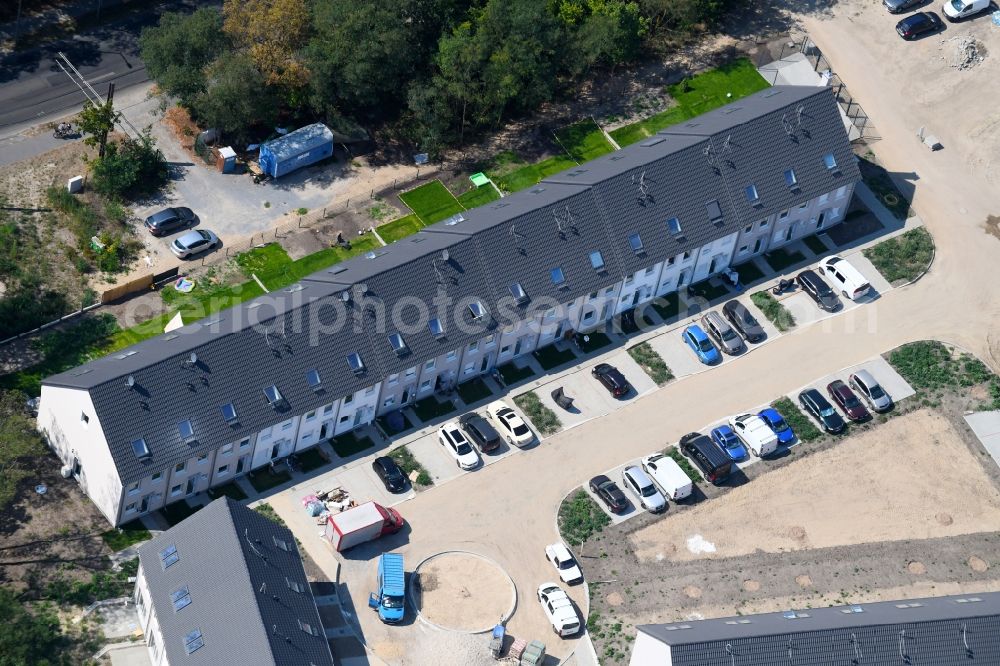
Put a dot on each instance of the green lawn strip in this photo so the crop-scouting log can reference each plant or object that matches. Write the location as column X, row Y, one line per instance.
column 473, row 391
column 804, row 428
column 400, row 228
column 580, row 518
column 709, row 291
column 773, row 310
column 816, row 245
column 317, row 261
column 177, row 511
column 696, row 95
column 903, row 258
column 930, row 365
column 749, row 272
column 550, row 357
column 683, row 462
column 409, row 464
column 127, row 535
column 651, row 363
column 532, row 174
column 432, row 202
column 668, row 307
column 311, row 459
column 780, row 259
column 430, row 408
column 584, row 140
column 264, row 261
column 349, row 444
column 230, row 490
column 592, row 341
column 478, row 196
column 512, row 374
column 545, row 420
column 268, row 511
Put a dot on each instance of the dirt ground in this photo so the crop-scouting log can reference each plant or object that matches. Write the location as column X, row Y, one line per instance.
column 464, row 592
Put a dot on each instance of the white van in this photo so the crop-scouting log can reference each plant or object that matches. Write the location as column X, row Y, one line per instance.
column 956, row 10
column 755, row 433
column 845, row 277
column 668, row 475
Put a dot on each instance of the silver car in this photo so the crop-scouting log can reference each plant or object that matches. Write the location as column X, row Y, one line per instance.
column 720, row 331
column 193, row 242
column 874, row 395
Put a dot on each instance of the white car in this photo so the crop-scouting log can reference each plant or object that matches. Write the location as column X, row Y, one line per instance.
column 510, row 425
column 845, row 277
column 562, row 560
column 650, row 498
column 668, row 475
column 755, row 433
column 454, row 442
column 559, row 609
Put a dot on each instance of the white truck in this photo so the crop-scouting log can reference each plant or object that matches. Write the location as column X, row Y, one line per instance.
column 755, row 433
column 668, row 475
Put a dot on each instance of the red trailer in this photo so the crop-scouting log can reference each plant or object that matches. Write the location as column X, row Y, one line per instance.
column 363, row 523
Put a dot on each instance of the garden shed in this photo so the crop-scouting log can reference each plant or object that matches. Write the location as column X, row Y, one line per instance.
column 306, row 145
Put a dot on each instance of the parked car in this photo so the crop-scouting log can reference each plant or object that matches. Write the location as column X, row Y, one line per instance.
column 510, row 425
column 956, row 10
column 480, row 432
column 871, row 391
column 612, row 379
column 755, row 433
column 776, row 422
column 900, row 6
column 918, row 24
column 709, row 457
column 609, row 493
column 667, row 475
column 813, row 402
column 168, row 220
column 722, row 333
column 845, row 398
column 389, row 474
column 745, row 323
column 560, row 557
column 726, row 439
column 454, row 442
column 650, row 498
column 559, row 609
column 818, row 290
column 698, row 341
column 189, row 244
column 846, row 277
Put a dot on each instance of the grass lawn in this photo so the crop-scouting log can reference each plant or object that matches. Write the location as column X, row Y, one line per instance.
column 263, row 479
column 230, row 490
column 803, row 427
column 409, row 464
column 473, row 391
column 431, row 408
column 595, row 340
column 349, row 444
column 668, row 307
column 708, row 291
column 696, row 95
column 263, row 261
column 781, row 258
column 478, row 196
column 749, row 272
column 432, row 202
column 903, row 258
column 545, row 420
column 584, row 140
column 512, row 374
column 178, row 511
column 400, row 228
column 580, row 518
column 816, row 245
column 549, row 357
column 932, row 365
column 127, row 535
column 381, row 420
column 512, row 173
column 651, row 363
column 773, row 310
column 311, row 459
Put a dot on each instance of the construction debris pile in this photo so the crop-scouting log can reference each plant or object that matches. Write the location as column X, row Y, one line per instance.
column 965, row 52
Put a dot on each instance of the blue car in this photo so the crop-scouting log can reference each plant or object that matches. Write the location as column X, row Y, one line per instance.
column 776, row 422
column 729, row 442
column 699, row 343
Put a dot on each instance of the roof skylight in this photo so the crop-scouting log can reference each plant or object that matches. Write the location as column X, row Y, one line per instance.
column 597, row 260
column 398, row 344
column 229, row 413
column 751, row 193
column 355, row 363
column 518, row 292
column 558, row 278
column 635, row 242
column 314, row 380
column 181, row 598
column 193, row 641
column 790, row 178
column 674, row 226
column 714, row 211
column 830, row 161
column 274, row 397
column 140, row 449
column 477, row 309
column 435, row 327
column 186, row 430
column 169, row 556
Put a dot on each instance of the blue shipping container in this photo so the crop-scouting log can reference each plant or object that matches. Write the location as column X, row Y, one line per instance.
column 306, row 145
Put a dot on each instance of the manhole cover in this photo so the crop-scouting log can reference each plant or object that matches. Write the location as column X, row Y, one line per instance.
column 462, row 591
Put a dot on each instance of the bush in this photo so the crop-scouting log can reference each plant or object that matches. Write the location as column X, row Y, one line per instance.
column 931, row 365
column 774, row 311
column 651, row 363
column 545, row 420
column 805, row 430
column 268, row 511
column 129, row 169
column 409, row 464
column 580, row 518
column 903, row 258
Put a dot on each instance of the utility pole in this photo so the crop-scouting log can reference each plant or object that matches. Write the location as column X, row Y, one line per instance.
column 104, row 135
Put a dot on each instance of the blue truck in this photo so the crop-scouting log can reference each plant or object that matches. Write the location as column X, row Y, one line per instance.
column 390, row 600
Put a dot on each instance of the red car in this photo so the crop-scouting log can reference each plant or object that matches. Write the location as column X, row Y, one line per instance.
column 845, row 398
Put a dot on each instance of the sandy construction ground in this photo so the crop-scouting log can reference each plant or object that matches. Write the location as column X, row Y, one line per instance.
column 912, row 478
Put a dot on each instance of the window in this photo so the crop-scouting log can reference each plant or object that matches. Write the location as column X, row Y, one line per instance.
column 590, row 315
column 823, row 198
column 355, row 363
column 313, row 378
column 398, row 344
column 790, row 178
column 748, row 229
column 246, row 442
column 597, row 260
column 517, row 291
column 349, row 398
column 505, row 349
column 130, row 508
column 168, row 556
column 193, row 641
column 84, row 419
column 751, row 193
column 473, row 346
column 287, row 425
column 674, row 226
column 424, row 385
column 140, row 449
column 181, row 598
column 804, row 205
column 227, row 448
column 762, row 224
column 368, row 391
column 186, row 430
column 557, row 276
column 310, row 415
column 687, row 255
column 630, row 279
column 830, row 161
column 157, row 476
column 477, row 310
column 429, row 365
column 452, row 355
column 229, row 413
column 274, row 397
column 133, row 488
column 635, row 242
column 649, row 271
column 282, row 544
column 179, row 467
column 592, row 295
column 744, row 249
column 294, row 585
column 308, row 628
column 203, row 457
column 491, row 339
column 783, row 214
column 436, row 329
column 469, row 368
column 609, row 291
column 411, row 372
column 223, row 470
column 393, row 380
column 343, row 419
column 390, row 401
column 671, row 260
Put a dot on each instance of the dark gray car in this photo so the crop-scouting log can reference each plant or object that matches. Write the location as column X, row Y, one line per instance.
column 818, row 290
column 722, row 333
column 480, row 432
column 169, row 219
column 745, row 324
column 899, row 6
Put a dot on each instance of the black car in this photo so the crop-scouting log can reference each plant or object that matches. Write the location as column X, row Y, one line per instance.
column 169, row 219
column 612, row 379
column 714, row 463
column 480, row 432
column 609, row 492
column 746, row 325
column 899, row 6
column 818, row 290
column 918, row 24
column 389, row 472
column 813, row 402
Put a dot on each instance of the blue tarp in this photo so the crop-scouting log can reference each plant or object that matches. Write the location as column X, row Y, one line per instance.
column 304, row 146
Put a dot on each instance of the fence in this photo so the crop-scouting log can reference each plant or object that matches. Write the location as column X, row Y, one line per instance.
column 141, row 283
column 852, row 109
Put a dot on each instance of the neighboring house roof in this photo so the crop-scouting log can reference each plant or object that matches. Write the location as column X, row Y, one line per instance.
column 238, row 576
column 518, row 239
column 298, row 142
column 939, row 631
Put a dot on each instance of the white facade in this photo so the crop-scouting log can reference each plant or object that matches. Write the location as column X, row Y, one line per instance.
column 649, row 651
column 148, row 622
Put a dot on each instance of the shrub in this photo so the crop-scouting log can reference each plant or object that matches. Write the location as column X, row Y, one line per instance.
column 805, row 430
column 777, row 313
column 545, row 419
column 580, row 518
column 131, row 168
column 651, row 363
column 903, row 258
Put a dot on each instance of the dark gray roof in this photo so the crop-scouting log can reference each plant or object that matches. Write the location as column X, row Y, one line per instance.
column 236, row 575
column 936, row 631
column 517, row 239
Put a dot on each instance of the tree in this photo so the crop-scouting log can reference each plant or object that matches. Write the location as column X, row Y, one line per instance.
column 130, row 168
column 237, row 98
column 177, row 50
column 612, row 33
column 682, row 15
column 271, row 32
column 30, row 638
column 96, row 121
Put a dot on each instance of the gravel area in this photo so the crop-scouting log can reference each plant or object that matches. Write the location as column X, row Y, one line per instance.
column 463, row 592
